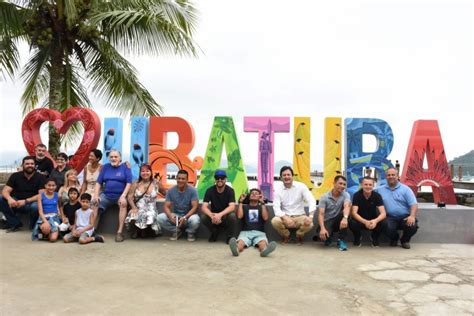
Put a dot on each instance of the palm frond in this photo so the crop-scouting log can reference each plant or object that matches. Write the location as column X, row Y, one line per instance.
column 9, row 57
column 115, row 80
column 149, row 27
column 35, row 74
column 70, row 12
column 12, row 18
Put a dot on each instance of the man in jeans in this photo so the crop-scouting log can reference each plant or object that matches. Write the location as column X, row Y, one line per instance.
column 401, row 206
column 180, row 209
column 20, row 194
column 368, row 212
column 220, row 216
column 334, row 209
column 288, row 205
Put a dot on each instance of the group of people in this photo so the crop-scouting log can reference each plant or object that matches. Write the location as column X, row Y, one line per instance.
column 59, row 205
column 387, row 209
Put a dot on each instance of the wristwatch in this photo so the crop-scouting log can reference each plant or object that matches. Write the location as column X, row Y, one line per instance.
column 346, row 216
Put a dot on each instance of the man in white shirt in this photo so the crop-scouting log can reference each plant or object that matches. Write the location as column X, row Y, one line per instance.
column 288, row 206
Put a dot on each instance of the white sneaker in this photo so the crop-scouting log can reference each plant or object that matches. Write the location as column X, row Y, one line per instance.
column 175, row 236
column 191, row 237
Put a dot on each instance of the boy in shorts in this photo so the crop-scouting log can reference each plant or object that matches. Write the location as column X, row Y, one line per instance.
column 83, row 227
column 253, row 216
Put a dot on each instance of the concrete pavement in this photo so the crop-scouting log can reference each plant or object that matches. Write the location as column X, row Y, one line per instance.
column 157, row 276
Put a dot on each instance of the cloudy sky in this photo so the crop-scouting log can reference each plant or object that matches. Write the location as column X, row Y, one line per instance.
column 394, row 60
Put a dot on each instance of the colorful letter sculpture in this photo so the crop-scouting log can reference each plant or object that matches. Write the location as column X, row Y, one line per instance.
column 357, row 159
column 426, row 140
column 62, row 122
column 138, row 144
column 223, row 132
column 160, row 155
column 332, row 154
column 302, row 151
column 266, row 128
column 113, row 131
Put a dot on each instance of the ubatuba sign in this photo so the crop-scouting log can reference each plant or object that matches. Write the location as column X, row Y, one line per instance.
column 149, row 144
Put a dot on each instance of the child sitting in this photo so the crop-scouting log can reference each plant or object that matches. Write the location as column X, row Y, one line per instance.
column 253, row 216
column 83, row 227
column 70, row 208
column 49, row 216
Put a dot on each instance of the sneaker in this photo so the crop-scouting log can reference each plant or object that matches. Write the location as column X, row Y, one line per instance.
column 406, row 245
column 328, row 241
column 233, row 247
column 99, row 238
column 175, row 235
column 375, row 242
column 341, row 244
column 191, row 237
column 213, row 237
column 13, row 229
column 285, row 240
column 299, row 241
column 268, row 249
column 357, row 243
column 119, row 237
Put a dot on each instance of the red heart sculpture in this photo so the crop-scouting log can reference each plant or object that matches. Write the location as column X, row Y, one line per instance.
column 30, row 131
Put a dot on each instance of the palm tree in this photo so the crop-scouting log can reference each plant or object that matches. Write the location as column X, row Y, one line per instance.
column 76, row 47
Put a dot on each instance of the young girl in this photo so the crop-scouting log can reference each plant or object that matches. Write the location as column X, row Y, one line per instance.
column 70, row 181
column 49, row 214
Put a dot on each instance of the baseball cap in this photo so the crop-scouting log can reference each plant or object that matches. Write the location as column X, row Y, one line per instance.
column 220, row 173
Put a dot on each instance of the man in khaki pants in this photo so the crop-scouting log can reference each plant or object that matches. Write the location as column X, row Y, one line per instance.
column 288, row 205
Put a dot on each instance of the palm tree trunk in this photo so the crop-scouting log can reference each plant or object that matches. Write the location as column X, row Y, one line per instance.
column 55, row 96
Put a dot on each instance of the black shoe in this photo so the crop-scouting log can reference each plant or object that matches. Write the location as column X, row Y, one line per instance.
column 357, row 243
column 99, row 238
column 213, row 237
column 406, row 245
column 227, row 240
column 315, row 238
column 13, row 229
column 4, row 225
column 375, row 243
column 394, row 243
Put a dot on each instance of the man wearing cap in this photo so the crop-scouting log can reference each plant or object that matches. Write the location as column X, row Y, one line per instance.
column 288, row 205
column 220, row 216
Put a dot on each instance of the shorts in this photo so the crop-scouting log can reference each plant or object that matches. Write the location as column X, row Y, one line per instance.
column 70, row 237
column 105, row 202
column 252, row 237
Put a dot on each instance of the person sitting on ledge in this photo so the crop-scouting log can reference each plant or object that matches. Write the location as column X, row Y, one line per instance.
column 116, row 179
column 58, row 173
column 20, row 195
column 143, row 216
column 367, row 213
column 43, row 164
column 220, row 216
column 401, row 206
column 334, row 209
column 288, row 205
column 253, row 216
column 180, row 209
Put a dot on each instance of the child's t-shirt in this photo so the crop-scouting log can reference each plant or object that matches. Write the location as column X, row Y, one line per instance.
column 83, row 220
column 69, row 211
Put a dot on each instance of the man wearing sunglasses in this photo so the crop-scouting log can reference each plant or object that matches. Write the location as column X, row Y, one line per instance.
column 220, row 215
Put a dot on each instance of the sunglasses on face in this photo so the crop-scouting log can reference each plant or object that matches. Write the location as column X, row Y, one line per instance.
column 219, row 178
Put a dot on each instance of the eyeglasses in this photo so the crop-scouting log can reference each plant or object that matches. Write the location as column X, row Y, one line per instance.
column 219, row 178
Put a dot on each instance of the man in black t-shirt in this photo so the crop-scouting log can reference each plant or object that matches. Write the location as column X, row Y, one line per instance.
column 43, row 164
column 367, row 212
column 220, row 216
column 253, row 216
column 20, row 194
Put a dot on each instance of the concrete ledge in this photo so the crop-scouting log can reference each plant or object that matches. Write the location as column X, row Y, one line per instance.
column 453, row 224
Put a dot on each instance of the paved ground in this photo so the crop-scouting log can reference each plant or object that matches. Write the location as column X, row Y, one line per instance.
column 163, row 277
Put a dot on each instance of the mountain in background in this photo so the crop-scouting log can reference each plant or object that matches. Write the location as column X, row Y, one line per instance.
column 466, row 161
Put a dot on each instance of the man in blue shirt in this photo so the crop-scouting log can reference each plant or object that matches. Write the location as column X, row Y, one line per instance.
column 183, row 200
column 116, row 178
column 401, row 206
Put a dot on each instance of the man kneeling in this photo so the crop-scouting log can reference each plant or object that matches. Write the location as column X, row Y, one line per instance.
column 253, row 216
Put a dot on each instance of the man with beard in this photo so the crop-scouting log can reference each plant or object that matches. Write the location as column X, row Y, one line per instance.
column 20, row 194
column 43, row 164
column 220, row 215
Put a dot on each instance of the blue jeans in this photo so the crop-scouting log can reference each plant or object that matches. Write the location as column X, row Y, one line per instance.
column 11, row 214
column 391, row 225
column 106, row 202
column 191, row 224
